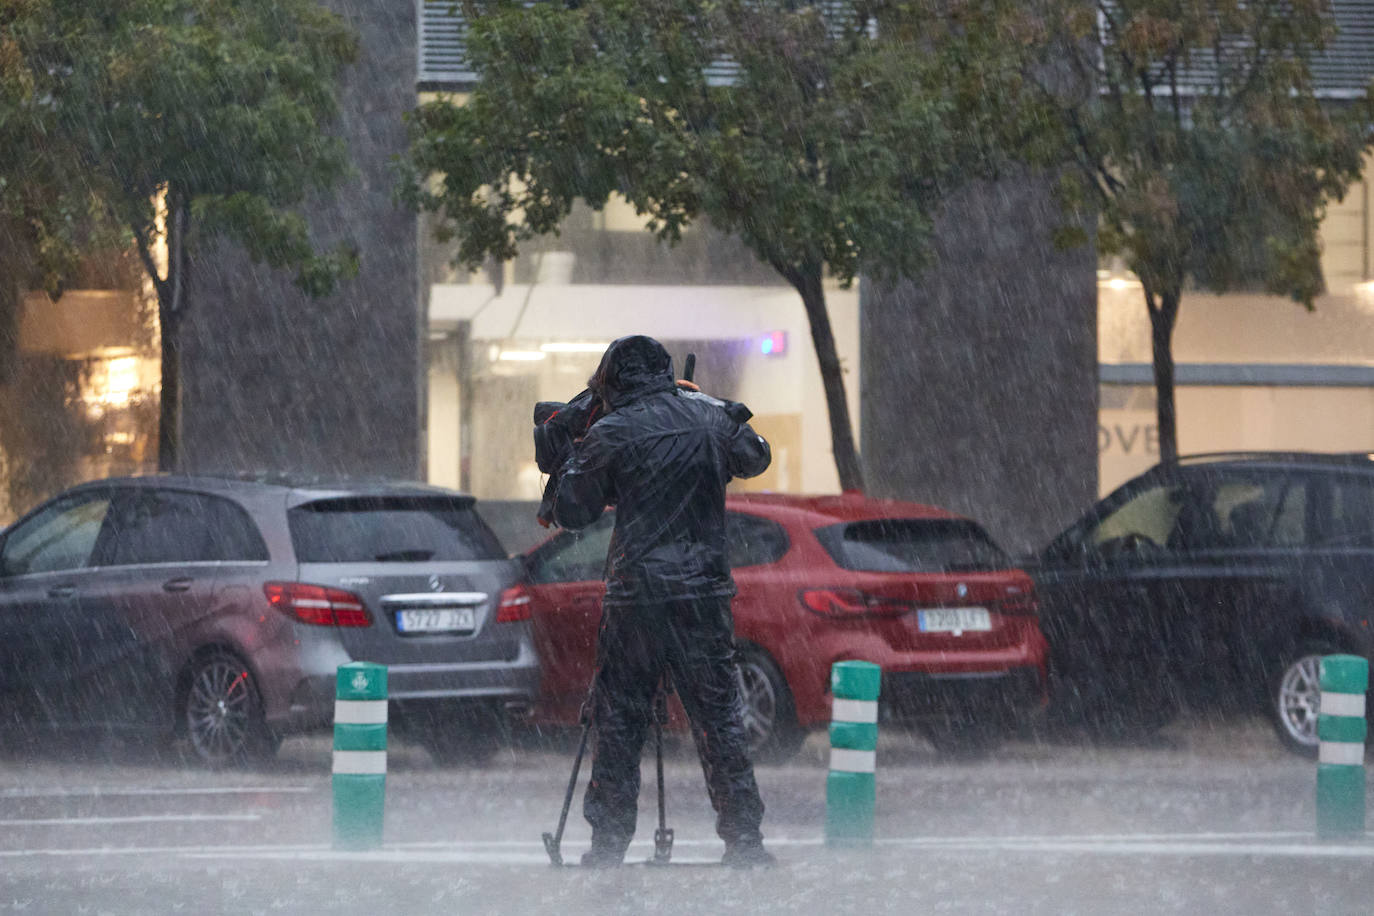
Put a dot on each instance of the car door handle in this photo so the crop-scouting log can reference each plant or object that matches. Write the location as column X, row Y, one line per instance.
column 62, row 591
column 182, row 584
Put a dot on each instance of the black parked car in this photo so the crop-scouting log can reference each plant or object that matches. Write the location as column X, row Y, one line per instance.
column 219, row 609
column 1215, row 582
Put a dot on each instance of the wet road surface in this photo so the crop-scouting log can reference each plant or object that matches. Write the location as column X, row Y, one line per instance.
column 1200, row 819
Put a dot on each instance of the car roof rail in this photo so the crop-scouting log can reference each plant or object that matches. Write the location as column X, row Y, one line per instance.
column 1261, row 455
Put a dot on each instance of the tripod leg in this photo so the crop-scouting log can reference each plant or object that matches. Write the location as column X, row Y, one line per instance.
column 552, row 841
column 663, row 836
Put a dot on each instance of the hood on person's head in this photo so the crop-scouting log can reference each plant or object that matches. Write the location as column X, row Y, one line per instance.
column 630, row 368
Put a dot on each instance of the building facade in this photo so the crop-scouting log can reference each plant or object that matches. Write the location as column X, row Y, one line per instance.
column 1011, row 382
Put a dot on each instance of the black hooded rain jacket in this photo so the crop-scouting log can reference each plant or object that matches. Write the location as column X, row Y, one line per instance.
column 662, row 456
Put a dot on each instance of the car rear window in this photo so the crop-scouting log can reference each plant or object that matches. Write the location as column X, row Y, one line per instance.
column 410, row 529
column 901, row 545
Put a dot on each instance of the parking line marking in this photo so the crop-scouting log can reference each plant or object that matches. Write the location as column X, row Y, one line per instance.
column 1278, row 844
column 452, row 856
column 127, row 819
column 101, row 791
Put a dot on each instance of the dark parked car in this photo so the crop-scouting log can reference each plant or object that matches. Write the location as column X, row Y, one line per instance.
column 923, row 593
column 1215, row 582
column 219, row 609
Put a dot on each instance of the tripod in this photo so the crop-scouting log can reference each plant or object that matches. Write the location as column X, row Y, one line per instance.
column 663, row 836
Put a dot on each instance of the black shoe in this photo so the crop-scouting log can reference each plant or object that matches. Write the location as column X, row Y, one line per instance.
column 603, row 857
column 747, row 855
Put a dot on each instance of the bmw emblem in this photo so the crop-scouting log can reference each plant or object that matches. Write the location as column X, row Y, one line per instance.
column 435, row 584
column 961, row 590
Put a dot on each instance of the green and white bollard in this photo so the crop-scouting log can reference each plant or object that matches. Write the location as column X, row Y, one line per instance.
column 1341, row 728
column 359, row 756
column 850, row 794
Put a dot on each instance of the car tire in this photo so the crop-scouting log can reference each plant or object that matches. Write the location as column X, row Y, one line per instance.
column 221, row 711
column 1295, row 693
column 770, row 716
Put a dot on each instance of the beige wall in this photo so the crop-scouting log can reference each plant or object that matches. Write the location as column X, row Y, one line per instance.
column 1242, row 328
column 84, row 322
column 1230, row 418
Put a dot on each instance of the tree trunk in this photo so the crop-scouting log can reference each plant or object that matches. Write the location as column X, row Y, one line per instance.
column 169, row 402
column 808, row 283
column 1163, row 316
column 9, row 327
column 171, row 308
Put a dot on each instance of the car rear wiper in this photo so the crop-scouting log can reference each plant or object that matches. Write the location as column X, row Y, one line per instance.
column 404, row 556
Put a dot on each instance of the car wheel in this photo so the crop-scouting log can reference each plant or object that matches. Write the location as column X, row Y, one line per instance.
column 222, row 712
column 770, row 718
column 1295, row 695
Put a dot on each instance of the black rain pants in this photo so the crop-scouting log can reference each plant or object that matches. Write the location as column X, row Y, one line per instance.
column 693, row 642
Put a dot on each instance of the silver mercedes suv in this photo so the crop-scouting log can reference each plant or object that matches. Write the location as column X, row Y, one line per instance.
column 218, row 609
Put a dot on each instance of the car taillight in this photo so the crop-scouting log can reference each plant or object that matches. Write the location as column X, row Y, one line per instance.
column 318, row 605
column 514, row 605
column 850, row 602
column 1023, row 605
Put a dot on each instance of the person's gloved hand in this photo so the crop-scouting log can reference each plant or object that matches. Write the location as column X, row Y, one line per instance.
column 734, row 409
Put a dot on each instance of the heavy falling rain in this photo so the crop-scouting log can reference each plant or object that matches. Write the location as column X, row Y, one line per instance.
column 664, row 456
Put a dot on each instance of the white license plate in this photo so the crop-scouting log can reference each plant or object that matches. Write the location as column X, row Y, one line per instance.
column 955, row 619
column 436, row 620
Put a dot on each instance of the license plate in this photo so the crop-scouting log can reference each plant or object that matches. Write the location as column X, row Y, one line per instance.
column 436, row 620
column 955, row 619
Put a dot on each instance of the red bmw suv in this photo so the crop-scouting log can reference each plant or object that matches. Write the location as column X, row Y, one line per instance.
column 923, row 593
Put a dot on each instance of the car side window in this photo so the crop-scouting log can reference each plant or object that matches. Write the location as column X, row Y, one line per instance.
column 753, row 541
column 1260, row 512
column 234, row 537
column 575, row 556
column 1146, row 520
column 60, row 537
column 1352, row 514
column 172, row 526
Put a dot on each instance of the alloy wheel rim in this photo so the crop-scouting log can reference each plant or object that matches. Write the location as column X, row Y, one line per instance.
column 1300, row 699
column 219, row 709
column 760, row 704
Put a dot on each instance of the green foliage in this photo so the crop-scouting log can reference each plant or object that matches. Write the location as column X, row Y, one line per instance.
column 222, row 105
column 1199, row 138
column 832, row 146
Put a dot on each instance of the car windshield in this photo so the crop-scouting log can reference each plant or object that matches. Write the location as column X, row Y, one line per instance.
column 391, row 530
column 902, row 545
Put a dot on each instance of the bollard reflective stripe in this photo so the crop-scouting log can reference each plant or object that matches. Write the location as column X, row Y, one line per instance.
column 359, row 769
column 1342, row 704
column 1341, row 732
column 854, row 711
column 850, row 786
column 360, row 712
column 360, row 763
column 844, row 760
column 1341, row 754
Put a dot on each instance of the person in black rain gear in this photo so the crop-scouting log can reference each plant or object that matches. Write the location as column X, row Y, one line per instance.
column 662, row 455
